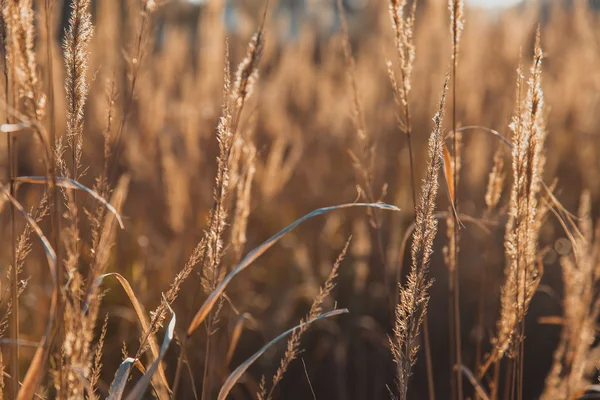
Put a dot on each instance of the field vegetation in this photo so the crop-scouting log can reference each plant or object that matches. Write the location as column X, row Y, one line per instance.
column 362, row 200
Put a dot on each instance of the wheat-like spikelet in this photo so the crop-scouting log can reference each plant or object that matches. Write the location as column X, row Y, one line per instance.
column 20, row 41
column 414, row 297
column 495, row 182
column 218, row 214
column 405, row 49
column 243, row 193
column 76, row 52
column 364, row 161
column 522, row 229
column 97, row 368
column 247, row 74
column 403, row 30
column 456, row 8
column 293, row 344
column 574, row 358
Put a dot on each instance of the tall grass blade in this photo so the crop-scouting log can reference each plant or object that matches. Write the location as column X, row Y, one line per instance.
column 141, row 387
column 72, row 184
column 118, row 384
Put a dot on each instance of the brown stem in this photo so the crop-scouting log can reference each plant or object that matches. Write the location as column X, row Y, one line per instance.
column 14, row 273
column 456, row 294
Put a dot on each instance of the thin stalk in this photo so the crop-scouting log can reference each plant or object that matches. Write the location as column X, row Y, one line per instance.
column 452, row 339
column 480, row 322
column 456, row 285
column 127, row 106
column 14, row 331
column 428, row 360
column 495, row 382
column 55, row 214
column 206, row 375
column 11, row 141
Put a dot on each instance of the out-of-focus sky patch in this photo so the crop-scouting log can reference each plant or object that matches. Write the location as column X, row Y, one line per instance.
column 492, row 3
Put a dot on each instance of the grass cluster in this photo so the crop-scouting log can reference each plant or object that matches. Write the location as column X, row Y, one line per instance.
column 179, row 200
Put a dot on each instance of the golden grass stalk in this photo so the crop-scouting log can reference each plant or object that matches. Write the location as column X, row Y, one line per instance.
column 76, row 52
column 210, row 250
column 413, row 300
column 364, row 162
column 243, row 194
column 456, row 8
column 456, row 27
column 525, row 214
column 97, row 367
column 21, row 66
column 20, row 41
column 293, row 344
column 403, row 29
column 574, row 363
column 495, row 182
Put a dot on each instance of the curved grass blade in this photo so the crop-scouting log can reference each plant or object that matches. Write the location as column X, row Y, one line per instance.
column 140, row 388
column 260, row 250
column 72, row 184
column 118, row 384
column 239, row 371
column 142, row 318
column 482, row 128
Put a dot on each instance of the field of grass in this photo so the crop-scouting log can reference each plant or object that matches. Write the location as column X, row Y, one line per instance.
column 383, row 199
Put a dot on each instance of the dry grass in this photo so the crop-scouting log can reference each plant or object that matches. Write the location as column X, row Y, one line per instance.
column 139, row 153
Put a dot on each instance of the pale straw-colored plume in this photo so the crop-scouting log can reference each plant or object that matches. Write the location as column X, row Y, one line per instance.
column 456, row 8
column 414, row 296
column 576, row 355
column 403, row 25
column 18, row 16
column 495, row 182
column 97, row 367
column 523, row 271
column 76, row 52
